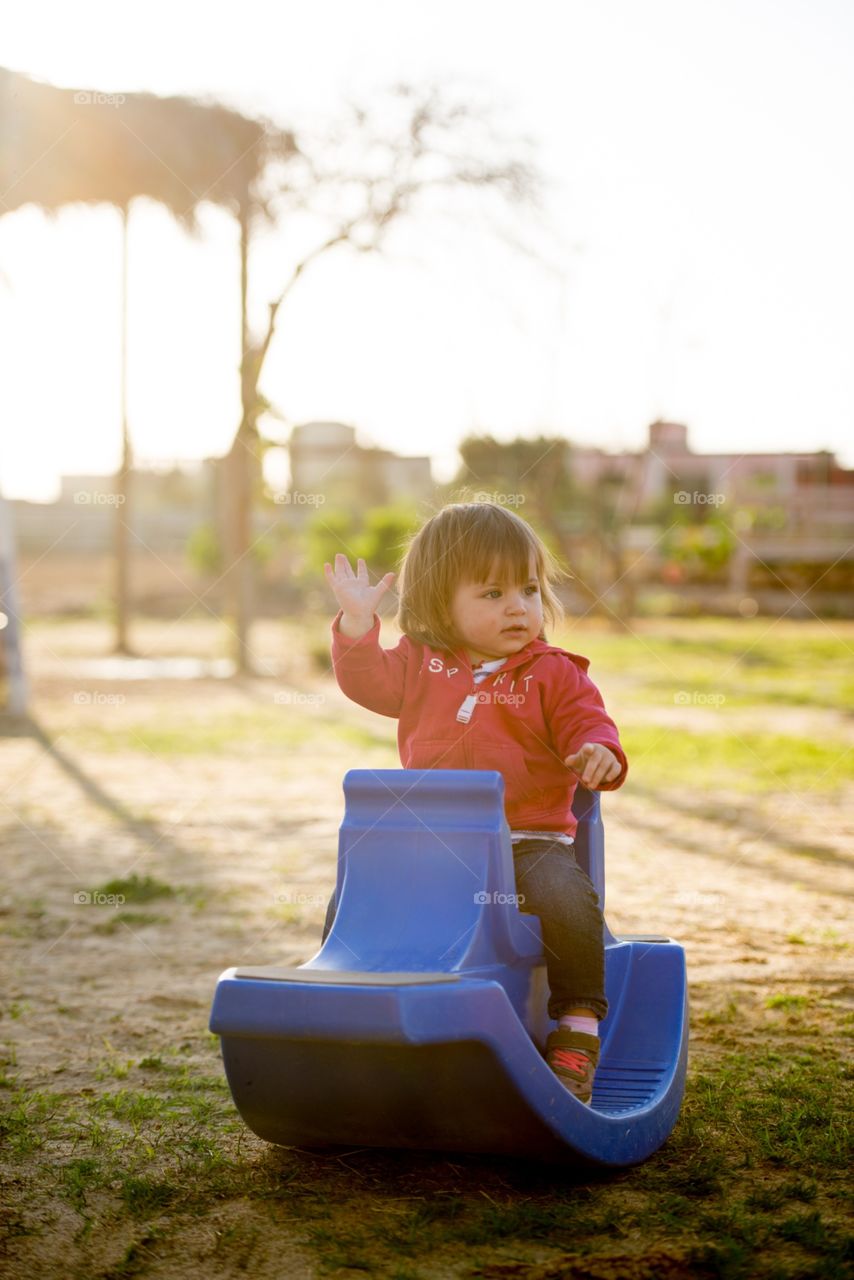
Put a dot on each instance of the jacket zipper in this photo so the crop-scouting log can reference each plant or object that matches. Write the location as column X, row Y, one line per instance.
column 467, row 706
column 469, row 702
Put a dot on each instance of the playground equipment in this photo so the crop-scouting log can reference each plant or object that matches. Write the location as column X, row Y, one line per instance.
column 421, row 1022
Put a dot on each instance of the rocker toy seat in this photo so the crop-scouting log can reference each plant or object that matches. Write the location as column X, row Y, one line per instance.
column 421, row 1021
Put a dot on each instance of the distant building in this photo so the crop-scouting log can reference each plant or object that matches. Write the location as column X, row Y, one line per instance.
column 325, row 459
column 791, row 514
column 811, row 489
column 168, row 501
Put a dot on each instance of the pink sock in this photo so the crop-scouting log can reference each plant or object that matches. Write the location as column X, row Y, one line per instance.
column 574, row 1022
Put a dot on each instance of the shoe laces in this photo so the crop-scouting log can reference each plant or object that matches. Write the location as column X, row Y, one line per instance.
column 571, row 1060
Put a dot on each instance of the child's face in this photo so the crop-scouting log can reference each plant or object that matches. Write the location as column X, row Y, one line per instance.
column 497, row 618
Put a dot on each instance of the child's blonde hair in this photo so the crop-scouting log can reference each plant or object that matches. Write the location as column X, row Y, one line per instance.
column 460, row 544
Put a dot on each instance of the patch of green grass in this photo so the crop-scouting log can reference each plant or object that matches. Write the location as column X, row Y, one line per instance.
column 711, row 645
column 79, row 1176
column 792, row 1107
column 786, row 1002
column 152, row 1062
column 286, row 727
column 26, row 1120
column 716, row 1017
column 797, row 664
column 739, row 1239
column 133, row 1106
column 770, row 1198
column 830, row 937
column 143, row 1197
column 137, row 888
column 745, row 761
column 112, row 1066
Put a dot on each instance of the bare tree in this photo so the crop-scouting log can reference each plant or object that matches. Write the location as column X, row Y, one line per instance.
column 412, row 152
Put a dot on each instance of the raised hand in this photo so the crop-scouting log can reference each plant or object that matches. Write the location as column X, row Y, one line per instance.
column 353, row 591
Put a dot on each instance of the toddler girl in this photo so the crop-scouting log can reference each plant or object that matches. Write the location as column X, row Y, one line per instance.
column 475, row 684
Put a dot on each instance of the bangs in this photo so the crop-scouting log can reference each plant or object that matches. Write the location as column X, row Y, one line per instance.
column 503, row 554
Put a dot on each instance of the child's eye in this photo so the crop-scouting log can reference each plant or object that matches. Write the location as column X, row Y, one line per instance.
column 531, row 590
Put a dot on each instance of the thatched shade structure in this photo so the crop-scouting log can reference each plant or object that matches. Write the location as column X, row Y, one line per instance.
column 69, row 146
column 61, row 146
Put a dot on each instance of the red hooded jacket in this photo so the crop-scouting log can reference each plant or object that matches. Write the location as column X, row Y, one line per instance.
column 540, row 707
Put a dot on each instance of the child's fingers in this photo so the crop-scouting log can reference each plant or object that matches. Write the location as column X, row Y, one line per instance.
column 606, row 771
column 578, row 761
column 593, row 763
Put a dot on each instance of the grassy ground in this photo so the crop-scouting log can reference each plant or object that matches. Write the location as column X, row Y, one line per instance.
column 200, row 819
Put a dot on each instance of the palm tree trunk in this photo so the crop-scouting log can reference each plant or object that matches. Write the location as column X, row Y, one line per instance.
column 122, row 484
column 238, row 487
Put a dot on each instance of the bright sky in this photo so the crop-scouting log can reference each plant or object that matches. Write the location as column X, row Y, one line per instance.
column 703, row 186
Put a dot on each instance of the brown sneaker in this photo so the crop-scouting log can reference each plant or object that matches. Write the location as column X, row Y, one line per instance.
column 573, row 1057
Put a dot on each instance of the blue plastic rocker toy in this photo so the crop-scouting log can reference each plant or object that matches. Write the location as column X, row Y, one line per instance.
column 421, row 1022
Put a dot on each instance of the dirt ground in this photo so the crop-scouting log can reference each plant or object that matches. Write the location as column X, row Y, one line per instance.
column 758, row 892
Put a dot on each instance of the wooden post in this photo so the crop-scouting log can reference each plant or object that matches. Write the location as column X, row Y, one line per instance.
column 239, row 482
column 10, row 635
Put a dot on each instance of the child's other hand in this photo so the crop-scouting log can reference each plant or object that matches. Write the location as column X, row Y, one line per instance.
column 594, row 763
column 353, row 591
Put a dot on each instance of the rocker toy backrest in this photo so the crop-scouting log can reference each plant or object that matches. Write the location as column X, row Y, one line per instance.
column 425, row 872
column 419, row 851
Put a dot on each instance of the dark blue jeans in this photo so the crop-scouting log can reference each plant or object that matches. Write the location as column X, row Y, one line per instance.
column 556, row 889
